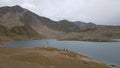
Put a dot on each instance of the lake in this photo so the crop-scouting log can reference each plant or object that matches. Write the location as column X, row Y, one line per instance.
column 106, row 52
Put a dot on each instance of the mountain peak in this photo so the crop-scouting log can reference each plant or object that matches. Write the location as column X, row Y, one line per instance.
column 84, row 24
column 15, row 8
column 64, row 20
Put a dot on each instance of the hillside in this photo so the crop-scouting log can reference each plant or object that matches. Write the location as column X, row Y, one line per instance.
column 17, row 33
column 17, row 19
column 99, row 33
column 17, row 23
column 84, row 25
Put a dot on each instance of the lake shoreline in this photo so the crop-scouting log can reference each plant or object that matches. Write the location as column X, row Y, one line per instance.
column 69, row 54
column 90, row 40
column 62, row 41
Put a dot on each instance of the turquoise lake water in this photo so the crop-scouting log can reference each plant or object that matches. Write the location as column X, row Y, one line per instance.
column 106, row 52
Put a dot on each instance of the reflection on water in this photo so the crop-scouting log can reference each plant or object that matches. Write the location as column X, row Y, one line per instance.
column 107, row 52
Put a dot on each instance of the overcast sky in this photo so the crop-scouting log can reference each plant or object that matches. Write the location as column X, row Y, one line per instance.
column 97, row 11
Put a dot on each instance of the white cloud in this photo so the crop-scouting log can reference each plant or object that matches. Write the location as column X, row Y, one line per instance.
column 97, row 11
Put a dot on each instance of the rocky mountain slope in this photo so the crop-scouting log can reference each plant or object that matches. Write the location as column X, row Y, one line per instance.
column 99, row 33
column 84, row 25
column 18, row 23
column 21, row 22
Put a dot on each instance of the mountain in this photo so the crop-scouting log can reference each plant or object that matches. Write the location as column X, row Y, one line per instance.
column 84, row 25
column 99, row 33
column 69, row 28
column 19, row 21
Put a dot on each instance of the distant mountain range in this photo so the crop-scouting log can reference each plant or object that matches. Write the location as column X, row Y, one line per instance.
column 17, row 22
column 84, row 25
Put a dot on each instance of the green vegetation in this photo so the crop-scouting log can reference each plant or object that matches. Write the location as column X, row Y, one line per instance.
column 18, row 33
column 4, row 31
column 24, row 30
